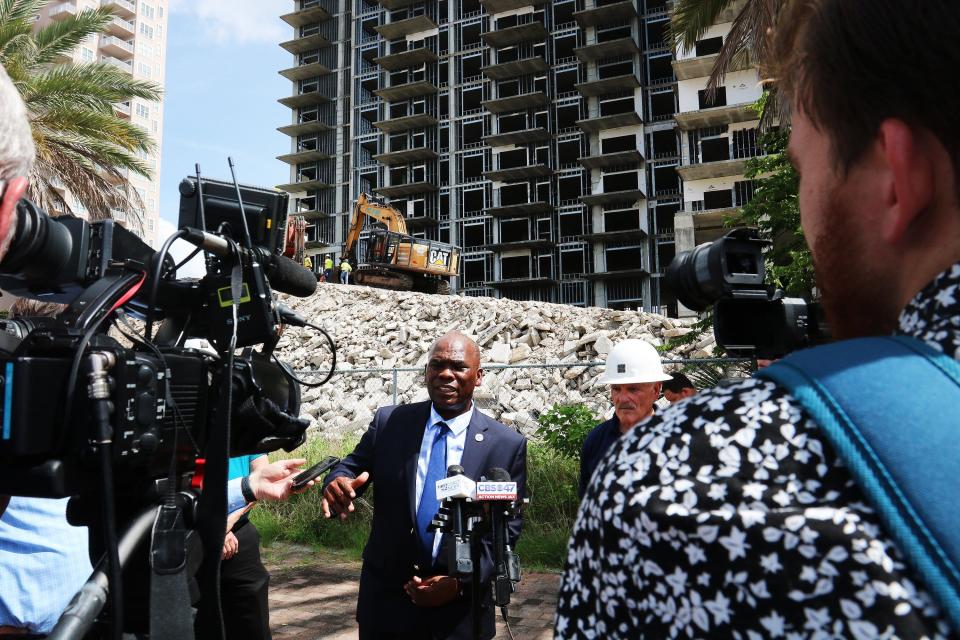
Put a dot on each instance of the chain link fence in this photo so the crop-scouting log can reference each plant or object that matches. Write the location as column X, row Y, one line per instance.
column 514, row 394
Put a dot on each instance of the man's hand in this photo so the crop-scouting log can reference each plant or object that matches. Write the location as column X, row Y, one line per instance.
column 339, row 494
column 432, row 592
column 275, row 480
column 230, row 546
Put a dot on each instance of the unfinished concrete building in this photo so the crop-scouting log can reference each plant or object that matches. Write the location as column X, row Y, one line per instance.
column 543, row 138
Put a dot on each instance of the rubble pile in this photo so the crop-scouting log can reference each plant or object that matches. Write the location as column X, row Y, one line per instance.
column 378, row 329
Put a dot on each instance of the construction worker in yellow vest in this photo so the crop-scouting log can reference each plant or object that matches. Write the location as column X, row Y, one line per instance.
column 345, row 270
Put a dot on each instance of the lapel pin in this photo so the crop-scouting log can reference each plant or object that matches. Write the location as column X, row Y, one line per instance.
column 478, row 437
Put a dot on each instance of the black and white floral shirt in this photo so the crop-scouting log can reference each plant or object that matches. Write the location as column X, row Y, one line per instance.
column 729, row 516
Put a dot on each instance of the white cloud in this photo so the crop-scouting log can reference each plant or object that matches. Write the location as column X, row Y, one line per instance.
column 230, row 21
column 179, row 251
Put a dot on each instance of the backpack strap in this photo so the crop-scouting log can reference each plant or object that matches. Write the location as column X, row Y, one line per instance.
column 891, row 409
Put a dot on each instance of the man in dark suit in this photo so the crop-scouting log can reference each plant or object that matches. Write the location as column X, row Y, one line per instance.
column 405, row 592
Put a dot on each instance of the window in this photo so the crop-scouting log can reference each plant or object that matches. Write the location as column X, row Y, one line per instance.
column 143, row 110
column 144, row 49
column 146, row 30
column 144, row 70
column 86, row 54
column 147, row 11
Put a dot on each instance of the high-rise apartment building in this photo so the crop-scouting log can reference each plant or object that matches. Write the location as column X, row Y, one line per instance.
column 135, row 41
column 564, row 145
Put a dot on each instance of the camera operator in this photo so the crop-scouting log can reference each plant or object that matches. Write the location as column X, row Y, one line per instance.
column 730, row 515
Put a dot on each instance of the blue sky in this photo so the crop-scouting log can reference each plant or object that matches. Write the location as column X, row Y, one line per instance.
column 222, row 88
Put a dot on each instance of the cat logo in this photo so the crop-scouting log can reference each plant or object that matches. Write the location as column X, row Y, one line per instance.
column 439, row 258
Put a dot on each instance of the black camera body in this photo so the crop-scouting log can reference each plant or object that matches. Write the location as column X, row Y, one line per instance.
column 163, row 396
column 750, row 317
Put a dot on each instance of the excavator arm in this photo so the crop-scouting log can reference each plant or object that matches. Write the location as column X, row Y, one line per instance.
column 364, row 208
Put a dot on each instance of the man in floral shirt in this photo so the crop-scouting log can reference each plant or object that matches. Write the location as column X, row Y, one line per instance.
column 729, row 515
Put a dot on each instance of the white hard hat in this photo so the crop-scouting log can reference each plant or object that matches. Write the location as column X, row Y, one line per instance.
column 632, row 362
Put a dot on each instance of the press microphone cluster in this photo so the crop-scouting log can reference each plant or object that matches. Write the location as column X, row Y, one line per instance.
column 284, row 274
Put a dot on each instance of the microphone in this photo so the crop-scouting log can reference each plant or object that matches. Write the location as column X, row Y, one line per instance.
column 284, row 274
column 455, row 490
column 501, row 493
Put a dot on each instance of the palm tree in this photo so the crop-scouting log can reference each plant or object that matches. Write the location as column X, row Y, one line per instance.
column 748, row 41
column 83, row 146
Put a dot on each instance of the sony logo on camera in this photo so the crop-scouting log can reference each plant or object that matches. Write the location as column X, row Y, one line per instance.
column 496, row 490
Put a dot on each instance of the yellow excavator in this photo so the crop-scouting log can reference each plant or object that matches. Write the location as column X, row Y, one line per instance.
column 395, row 259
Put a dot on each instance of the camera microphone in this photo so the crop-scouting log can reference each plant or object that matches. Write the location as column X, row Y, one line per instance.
column 284, row 274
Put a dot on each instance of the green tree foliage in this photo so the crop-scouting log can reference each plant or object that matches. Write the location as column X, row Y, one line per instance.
column 82, row 144
column 775, row 211
column 564, row 428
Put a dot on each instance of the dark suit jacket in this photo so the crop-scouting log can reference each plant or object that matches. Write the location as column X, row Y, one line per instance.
column 389, row 451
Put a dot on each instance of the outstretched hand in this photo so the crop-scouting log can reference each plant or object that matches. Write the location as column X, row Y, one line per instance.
column 275, row 480
column 339, row 495
column 433, row 591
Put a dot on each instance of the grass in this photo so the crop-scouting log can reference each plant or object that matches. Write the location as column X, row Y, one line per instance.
column 547, row 520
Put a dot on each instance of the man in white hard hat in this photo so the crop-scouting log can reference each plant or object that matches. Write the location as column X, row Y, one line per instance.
column 634, row 372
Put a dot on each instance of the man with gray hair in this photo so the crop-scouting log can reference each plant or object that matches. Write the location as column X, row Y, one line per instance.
column 17, row 154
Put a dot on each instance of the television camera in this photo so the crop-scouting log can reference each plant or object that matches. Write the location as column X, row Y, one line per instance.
column 750, row 317
column 141, row 422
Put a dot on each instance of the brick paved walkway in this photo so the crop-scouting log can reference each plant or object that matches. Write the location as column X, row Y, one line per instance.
column 314, row 596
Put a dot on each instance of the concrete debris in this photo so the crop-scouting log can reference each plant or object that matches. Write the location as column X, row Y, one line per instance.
column 375, row 328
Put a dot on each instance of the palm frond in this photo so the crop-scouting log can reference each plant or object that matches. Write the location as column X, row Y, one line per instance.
column 748, row 41
column 692, row 18
column 64, row 36
column 16, row 10
column 96, row 85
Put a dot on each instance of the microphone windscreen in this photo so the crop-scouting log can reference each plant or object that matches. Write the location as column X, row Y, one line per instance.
column 287, row 276
column 497, row 474
column 454, row 470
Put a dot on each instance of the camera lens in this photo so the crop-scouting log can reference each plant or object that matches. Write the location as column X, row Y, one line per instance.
column 695, row 277
column 41, row 246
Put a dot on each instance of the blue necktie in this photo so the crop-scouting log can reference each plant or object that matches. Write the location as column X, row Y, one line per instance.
column 436, row 470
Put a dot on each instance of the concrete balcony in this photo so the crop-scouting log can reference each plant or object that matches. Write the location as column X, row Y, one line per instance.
column 619, row 12
column 305, row 16
column 396, row 4
column 122, row 8
column 125, row 65
column 624, row 273
column 499, row 6
column 702, row 66
column 718, row 169
column 121, row 28
column 312, row 214
column 122, row 109
column 408, row 189
column 627, row 196
column 116, row 47
column 517, row 137
column 404, row 28
column 619, row 159
column 606, row 86
column 406, row 91
column 311, row 126
column 305, row 99
column 63, row 10
column 716, row 116
column 406, row 156
column 602, row 123
column 610, row 49
column 305, row 155
column 521, row 210
column 416, row 121
column 516, row 103
column 304, row 186
column 420, row 221
column 306, row 71
column 405, row 59
column 307, row 43
column 506, row 70
column 525, row 172
column 533, row 243
column 515, row 35
column 624, row 234
column 528, row 282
